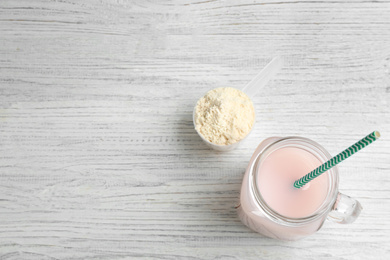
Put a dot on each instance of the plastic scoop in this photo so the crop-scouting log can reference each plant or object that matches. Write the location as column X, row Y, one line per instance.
column 251, row 89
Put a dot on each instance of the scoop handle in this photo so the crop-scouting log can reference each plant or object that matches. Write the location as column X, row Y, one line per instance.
column 261, row 79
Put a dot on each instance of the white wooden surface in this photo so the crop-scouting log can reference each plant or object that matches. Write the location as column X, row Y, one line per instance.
column 99, row 159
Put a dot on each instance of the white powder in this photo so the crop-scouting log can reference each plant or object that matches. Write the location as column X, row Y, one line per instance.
column 224, row 116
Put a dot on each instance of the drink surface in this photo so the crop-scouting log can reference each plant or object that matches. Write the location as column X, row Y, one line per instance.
column 275, row 178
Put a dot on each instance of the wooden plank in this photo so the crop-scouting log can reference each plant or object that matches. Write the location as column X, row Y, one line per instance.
column 99, row 159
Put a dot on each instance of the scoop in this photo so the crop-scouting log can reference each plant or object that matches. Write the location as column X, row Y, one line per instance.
column 251, row 89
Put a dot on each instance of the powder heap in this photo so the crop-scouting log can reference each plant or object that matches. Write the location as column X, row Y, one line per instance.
column 224, row 116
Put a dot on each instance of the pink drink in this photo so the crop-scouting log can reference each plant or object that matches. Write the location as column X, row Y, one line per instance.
column 276, row 175
column 269, row 203
column 271, row 206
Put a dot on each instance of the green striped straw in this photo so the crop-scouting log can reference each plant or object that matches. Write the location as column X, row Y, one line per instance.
column 337, row 159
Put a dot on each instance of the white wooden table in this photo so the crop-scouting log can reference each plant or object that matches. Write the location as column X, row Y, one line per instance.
column 99, row 158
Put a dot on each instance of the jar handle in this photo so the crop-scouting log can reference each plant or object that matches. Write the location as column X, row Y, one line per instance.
column 345, row 210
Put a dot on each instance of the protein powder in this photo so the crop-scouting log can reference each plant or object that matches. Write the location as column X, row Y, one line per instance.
column 224, row 116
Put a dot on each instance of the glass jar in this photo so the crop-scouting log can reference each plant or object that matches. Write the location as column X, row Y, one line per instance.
column 260, row 217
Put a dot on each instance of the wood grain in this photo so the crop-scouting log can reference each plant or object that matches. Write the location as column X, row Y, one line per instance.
column 99, row 159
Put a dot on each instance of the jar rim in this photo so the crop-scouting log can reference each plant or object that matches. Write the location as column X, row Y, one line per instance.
column 315, row 149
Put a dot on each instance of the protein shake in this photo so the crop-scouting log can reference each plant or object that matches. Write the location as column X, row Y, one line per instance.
column 276, row 174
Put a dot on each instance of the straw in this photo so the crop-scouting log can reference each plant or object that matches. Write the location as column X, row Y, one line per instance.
column 337, row 159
